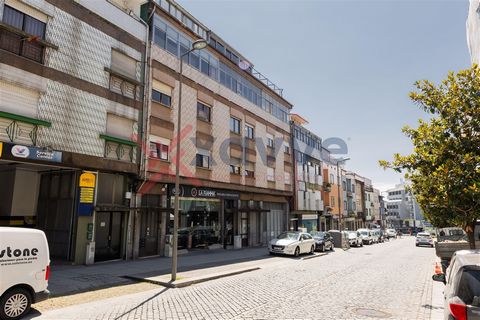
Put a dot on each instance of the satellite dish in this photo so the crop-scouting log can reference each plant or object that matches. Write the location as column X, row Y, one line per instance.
column 244, row 65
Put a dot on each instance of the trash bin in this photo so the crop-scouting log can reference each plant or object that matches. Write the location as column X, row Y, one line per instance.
column 237, row 242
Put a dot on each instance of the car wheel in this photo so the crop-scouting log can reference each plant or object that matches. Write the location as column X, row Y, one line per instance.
column 271, row 253
column 416, row 245
column 15, row 304
column 331, row 246
column 312, row 250
column 322, row 248
column 361, row 244
column 297, row 252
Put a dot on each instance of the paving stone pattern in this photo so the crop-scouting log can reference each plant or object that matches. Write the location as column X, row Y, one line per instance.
column 383, row 281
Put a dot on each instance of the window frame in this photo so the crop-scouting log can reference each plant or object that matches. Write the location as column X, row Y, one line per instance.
column 202, row 161
column 235, row 125
column 162, row 95
column 249, row 131
column 205, row 107
column 160, row 150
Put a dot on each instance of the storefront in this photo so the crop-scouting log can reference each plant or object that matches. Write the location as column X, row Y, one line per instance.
column 208, row 217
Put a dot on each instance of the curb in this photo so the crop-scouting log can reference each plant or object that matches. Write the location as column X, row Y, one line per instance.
column 315, row 256
column 186, row 283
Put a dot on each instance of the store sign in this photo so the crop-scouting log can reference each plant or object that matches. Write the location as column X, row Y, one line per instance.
column 309, row 217
column 206, row 193
column 17, row 151
column 86, row 196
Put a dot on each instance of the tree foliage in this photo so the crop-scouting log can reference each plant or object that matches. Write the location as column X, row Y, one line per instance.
column 444, row 167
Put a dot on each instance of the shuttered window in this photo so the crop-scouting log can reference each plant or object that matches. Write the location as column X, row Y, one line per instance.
column 18, row 100
column 123, row 64
column 119, row 127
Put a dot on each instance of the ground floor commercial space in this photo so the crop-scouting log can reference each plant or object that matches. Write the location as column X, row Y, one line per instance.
column 209, row 218
column 84, row 213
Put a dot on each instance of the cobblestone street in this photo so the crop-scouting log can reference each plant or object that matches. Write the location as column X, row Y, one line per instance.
column 390, row 280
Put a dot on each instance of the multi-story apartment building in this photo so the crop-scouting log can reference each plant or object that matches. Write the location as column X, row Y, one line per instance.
column 369, row 201
column 333, row 193
column 402, row 209
column 308, row 184
column 71, row 91
column 236, row 159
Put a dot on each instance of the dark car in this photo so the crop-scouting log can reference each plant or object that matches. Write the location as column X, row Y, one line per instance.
column 323, row 240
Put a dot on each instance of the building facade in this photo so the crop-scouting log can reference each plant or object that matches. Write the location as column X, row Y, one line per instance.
column 236, row 159
column 308, row 206
column 71, row 93
column 473, row 31
column 402, row 209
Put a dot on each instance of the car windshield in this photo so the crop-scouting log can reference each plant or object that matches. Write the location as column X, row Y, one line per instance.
column 364, row 233
column 352, row 235
column 288, row 235
column 318, row 234
column 469, row 285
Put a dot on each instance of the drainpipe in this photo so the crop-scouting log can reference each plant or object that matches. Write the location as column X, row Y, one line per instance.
column 295, row 173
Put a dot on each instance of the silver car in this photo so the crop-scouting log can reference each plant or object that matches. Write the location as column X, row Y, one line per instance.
column 462, row 286
column 292, row 243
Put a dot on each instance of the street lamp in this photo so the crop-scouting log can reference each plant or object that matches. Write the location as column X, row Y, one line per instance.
column 340, row 214
column 197, row 45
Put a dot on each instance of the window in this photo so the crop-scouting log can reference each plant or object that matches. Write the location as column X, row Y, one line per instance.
column 203, row 161
column 287, row 178
column 332, row 200
column 158, row 151
column 119, row 126
column 286, row 147
column 332, row 178
column 161, row 93
column 270, row 174
column 249, row 173
column 162, row 98
column 249, row 132
column 270, row 141
column 203, row 112
column 234, row 125
column 17, row 44
column 234, row 169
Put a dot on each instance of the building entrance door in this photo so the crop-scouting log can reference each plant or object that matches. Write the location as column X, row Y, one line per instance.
column 108, row 235
column 244, row 228
column 149, row 233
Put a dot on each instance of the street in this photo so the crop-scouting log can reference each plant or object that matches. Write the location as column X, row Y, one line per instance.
column 390, row 280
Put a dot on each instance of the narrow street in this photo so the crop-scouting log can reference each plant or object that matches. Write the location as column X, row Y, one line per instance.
column 390, row 280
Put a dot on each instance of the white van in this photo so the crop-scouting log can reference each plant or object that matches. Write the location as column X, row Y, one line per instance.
column 24, row 270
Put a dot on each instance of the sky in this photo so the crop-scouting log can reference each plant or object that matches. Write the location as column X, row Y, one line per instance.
column 347, row 66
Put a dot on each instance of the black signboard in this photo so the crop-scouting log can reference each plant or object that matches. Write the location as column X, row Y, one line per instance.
column 202, row 192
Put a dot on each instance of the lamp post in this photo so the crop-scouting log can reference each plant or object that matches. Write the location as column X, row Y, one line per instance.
column 340, row 214
column 197, row 45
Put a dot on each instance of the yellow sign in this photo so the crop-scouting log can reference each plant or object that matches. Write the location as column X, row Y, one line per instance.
column 1, row 148
column 87, row 179
column 86, row 195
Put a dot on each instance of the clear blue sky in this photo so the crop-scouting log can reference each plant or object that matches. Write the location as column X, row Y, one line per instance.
column 347, row 66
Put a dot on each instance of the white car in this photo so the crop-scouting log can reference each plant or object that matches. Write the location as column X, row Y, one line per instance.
column 424, row 239
column 24, row 270
column 366, row 236
column 292, row 243
column 391, row 233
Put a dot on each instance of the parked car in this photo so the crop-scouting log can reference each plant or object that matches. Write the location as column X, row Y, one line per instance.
column 292, row 243
column 366, row 236
column 424, row 239
column 355, row 239
column 462, row 286
column 323, row 240
column 375, row 236
column 24, row 270
column 391, row 233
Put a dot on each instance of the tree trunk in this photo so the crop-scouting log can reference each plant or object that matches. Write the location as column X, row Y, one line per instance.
column 470, row 230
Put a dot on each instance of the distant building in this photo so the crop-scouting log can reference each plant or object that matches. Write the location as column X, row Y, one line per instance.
column 402, row 209
column 473, row 31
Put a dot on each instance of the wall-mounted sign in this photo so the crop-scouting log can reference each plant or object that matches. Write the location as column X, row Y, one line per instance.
column 1, row 148
column 86, row 193
column 17, row 152
column 202, row 192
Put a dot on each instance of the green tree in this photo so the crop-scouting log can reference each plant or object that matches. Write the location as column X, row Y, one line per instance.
column 444, row 167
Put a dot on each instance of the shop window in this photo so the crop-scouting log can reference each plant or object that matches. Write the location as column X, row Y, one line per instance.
column 234, row 125
column 203, row 112
column 15, row 42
